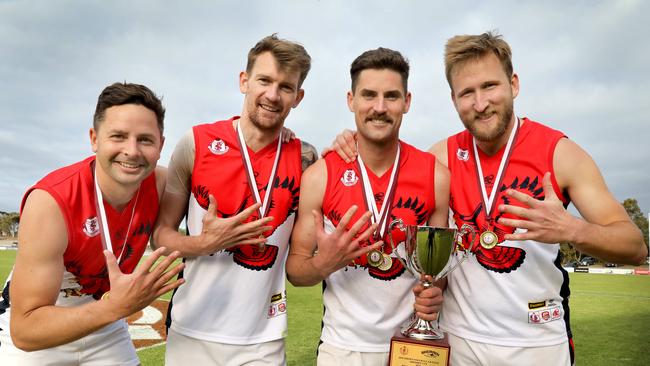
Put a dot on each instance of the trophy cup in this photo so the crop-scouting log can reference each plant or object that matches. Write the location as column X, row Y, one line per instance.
column 435, row 252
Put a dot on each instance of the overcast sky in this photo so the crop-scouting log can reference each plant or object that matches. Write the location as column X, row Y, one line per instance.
column 583, row 67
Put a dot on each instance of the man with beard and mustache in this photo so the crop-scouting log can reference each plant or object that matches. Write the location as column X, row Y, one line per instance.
column 74, row 222
column 367, row 291
column 512, row 179
column 238, row 184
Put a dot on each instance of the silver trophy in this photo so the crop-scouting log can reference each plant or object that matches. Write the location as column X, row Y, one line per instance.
column 432, row 251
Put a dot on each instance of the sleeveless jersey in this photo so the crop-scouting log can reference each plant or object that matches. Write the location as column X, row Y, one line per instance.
column 85, row 278
column 237, row 296
column 364, row 306
column 515, row 294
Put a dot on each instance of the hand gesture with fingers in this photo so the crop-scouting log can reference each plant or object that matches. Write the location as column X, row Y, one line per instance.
column 221, row 233
column 546, row 221
column 133, row 292
column 337, row 249
column 345, row 144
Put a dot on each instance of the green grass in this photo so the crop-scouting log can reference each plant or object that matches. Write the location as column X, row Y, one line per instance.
column 610, row 317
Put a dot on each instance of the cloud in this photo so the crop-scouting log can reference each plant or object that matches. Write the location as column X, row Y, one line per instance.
column 582, row 67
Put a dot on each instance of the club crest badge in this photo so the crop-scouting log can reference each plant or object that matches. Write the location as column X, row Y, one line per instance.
column 349, row 178
column 218, row 147
column 91, row 227
column 462, row 155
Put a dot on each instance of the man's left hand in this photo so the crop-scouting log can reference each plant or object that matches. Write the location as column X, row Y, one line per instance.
column 546, row 221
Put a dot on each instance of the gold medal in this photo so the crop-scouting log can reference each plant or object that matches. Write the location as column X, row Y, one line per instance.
column 375, row 258
column 386, row 263
column 488, row 239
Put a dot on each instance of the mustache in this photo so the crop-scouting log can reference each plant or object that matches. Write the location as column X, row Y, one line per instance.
column 485, row 114
column 379, row 117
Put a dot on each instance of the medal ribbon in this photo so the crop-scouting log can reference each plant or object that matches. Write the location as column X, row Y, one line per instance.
column 250, row 177
column 488, row 203
column 103, row 223
column 381, row 216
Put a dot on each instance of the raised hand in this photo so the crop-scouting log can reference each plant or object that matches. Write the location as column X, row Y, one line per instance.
column 345, row 144
column 428, row 301
column 219, row 233
column 337, row 249
column 546, row 221
column 133, row 292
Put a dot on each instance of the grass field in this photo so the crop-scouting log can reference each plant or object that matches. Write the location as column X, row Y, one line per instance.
column 610, row 317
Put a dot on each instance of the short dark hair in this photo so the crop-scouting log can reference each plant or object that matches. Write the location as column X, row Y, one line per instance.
column 128, row 93
column 290, row 56
column 381, row 58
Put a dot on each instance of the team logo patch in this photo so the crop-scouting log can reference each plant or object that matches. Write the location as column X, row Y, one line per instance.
column 462, row 155
column 546, row 315
column 91, row 227
column 218, row 147
column 278, row 305
column 349, row 178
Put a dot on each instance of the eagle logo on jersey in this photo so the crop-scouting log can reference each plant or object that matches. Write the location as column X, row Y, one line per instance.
column 91, row 227
column 218, row 147
column 349, row 178
column 501, row 259
column 284, row 202
column 409, row 209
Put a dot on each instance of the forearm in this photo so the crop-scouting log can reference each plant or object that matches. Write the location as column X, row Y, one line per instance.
column 173, row 240
column 619, row 242
column 302, row 272
column 51, row 326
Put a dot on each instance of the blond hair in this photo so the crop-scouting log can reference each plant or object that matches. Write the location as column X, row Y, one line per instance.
column 460, row 49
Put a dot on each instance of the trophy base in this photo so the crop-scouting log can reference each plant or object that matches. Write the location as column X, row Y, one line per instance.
column 406, row 351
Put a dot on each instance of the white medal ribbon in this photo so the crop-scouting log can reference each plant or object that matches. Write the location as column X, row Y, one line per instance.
column 250, row 175
column 103, row 223
column 379, row 216
column 488, row 203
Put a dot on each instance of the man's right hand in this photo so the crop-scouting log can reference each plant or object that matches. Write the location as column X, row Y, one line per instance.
column 130, row 293
column 345, row 144
column 219, row 233
column 338, row 249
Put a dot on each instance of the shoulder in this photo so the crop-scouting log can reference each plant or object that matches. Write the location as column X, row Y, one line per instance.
column 161, row 179
column 308, row 153
column 570, row 161
column 439, row 150
column 315, row 171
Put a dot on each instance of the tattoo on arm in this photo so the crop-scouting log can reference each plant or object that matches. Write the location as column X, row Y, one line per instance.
column 309, row 155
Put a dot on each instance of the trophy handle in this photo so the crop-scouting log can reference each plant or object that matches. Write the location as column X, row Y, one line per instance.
column 465, row 229
column 400, row 224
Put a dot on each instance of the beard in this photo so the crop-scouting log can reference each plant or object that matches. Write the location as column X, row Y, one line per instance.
column 489, row 135
column 265, row 123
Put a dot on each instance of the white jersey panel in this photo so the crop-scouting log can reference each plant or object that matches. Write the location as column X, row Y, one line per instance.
column 224, row 302
column 70, row 295
column 362, row 313
column 522, row 308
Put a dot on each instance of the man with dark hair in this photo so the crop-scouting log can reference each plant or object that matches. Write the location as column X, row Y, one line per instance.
column 238, row 184
column 512, row 179
column 74, row 223
column 367, row 290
